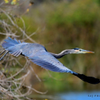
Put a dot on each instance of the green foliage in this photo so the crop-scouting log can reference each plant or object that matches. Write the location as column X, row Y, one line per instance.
column 97, row 1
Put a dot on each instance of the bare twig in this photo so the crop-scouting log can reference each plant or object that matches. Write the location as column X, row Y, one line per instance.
column 11, row 82
column 17, row 25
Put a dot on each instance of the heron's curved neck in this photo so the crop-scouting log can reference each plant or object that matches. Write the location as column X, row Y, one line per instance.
column 59, row 55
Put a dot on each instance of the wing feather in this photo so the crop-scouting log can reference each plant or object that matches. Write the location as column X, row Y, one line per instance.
column 47, row 61
column 16, row 53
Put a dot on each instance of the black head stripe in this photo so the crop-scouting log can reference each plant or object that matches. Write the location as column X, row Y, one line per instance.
column 76, row 48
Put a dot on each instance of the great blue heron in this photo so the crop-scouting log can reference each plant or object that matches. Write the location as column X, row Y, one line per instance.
column 40, row 56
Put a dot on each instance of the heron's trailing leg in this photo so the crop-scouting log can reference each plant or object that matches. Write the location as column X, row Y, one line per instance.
column 88, row 79
column 3, row 55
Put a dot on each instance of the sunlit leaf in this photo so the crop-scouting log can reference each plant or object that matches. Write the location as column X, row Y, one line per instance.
column 13, row 2
column 27, row 10
column 6, row 1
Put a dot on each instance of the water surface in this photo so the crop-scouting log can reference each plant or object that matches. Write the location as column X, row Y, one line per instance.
column 94, row 95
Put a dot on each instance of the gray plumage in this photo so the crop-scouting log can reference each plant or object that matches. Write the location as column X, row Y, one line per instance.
column 40, row 56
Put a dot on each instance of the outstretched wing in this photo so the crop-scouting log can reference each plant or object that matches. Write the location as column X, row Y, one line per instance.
column 47, row 61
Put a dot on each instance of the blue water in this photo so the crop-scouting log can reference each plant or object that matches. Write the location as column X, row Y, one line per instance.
column 80, row 96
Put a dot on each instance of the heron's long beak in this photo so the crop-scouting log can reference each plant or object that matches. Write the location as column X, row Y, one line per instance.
column 87, row 51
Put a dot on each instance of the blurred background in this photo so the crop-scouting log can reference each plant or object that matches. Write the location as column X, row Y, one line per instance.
column 59, row 25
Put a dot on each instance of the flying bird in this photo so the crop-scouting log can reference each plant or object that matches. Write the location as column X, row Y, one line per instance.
column 40, row 56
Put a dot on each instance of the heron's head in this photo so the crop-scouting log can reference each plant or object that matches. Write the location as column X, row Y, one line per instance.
column 76, row 51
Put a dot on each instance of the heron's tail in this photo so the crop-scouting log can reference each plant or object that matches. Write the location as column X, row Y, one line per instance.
column 88, row 79
column 9, row 42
